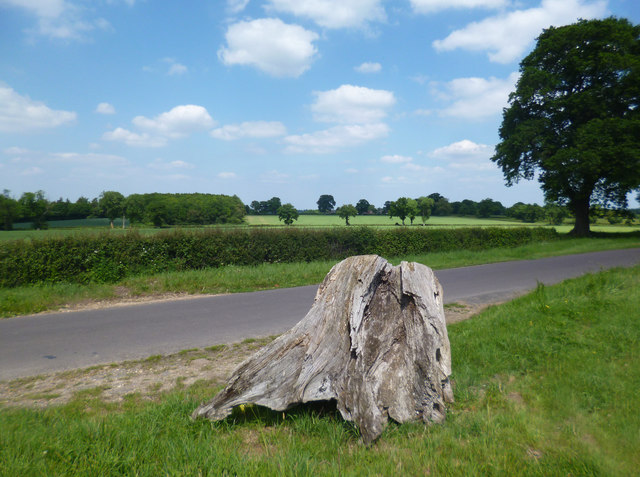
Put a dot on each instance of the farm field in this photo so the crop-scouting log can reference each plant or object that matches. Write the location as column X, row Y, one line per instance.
column 528, row 381
column 96, row 226
column 378, row 221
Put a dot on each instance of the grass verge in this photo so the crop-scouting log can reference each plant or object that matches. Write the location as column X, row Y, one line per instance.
column 235, row 279
column 544, row 385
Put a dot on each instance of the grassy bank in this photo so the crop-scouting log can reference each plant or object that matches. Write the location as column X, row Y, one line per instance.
column 233, row 279
column 544, row 385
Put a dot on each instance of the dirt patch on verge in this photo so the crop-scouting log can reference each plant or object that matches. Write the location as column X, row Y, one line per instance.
column 146, row 378
column 151, row 377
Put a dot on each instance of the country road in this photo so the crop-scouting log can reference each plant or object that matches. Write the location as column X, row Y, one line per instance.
column 49, row 342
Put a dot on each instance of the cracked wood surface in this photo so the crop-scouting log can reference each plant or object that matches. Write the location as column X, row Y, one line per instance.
column 374, row 340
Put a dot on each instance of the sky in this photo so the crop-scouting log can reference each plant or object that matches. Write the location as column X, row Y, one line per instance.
column 360, row 99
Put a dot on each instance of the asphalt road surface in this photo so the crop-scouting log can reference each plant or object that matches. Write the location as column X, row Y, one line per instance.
column 49, row 342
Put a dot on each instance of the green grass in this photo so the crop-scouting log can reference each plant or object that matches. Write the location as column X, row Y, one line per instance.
column 378, row 220
column 235, row 279
column 65, row 228
column 544, row 385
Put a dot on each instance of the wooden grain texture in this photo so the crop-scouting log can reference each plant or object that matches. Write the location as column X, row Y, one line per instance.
column 374, row 340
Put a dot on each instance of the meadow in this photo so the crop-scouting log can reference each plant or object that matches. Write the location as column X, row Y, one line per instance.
column 65, row 228
column 544, row 385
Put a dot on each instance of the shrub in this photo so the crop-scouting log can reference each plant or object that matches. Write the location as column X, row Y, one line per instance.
column 108, row 258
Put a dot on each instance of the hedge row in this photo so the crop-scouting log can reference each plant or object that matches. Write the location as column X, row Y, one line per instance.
column 108, row 258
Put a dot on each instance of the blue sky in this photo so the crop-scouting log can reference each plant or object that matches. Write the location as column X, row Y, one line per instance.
column 359, row 99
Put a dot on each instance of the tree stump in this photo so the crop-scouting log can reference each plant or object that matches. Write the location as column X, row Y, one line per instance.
column 375, row 341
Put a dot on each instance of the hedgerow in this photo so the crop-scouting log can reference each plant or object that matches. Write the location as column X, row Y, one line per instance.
column 109, row 258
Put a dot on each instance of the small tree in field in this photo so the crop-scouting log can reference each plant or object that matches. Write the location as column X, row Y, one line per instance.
column 424, row 204
column 346, row 211
column 111, row 205
column 403, row 208
column 287, row 213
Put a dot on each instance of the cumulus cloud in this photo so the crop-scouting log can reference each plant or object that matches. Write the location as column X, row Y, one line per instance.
column 134, row 139
column 272, row 46
column 91, row 159
column 352, row 104
column 475, row 98
column 506, row 36
column 178, row 122
column 22, row 114
column 250, row 129
column 369, row 67
column 336, row 137
column 227, row 175
column 431, row 6
column 465, row 155
column 105, row 108
column 332, row 13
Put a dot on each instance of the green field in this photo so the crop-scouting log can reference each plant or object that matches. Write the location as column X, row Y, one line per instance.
column 96, row 226
column 544, row 385
column 378, row 221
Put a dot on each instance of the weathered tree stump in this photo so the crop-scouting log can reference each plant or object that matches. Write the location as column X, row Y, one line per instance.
column 375, row 341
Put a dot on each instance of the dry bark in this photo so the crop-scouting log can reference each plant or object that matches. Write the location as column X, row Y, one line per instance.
column 375, row 341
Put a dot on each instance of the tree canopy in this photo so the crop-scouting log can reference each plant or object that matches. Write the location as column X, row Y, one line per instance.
column 403, row 208
column 574, row 119
column 346, row 211
column 326, row 203
column 287, row 213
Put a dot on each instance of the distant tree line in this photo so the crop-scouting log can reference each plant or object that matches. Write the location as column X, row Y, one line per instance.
column 405, row 208
column 156, row 209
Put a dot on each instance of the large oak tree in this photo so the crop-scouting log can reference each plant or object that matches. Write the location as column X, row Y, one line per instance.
column 574, row 118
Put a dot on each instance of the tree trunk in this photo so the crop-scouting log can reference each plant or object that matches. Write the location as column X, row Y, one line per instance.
column 580, row 209
column 375, row 341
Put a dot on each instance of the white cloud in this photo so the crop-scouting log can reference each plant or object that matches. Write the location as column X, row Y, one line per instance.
column 369, row 67
column 134, row 139
column 352, row 104
column 465, row 155
column 430, row 6
column 105, row 108
column 236, row 6
column 21, row 113
column 177, row 69
column 333, row 13
column 250, row 129
column 462, row 149
column 59, row 19
column 336, row 137
column 272, row 46
column 227, row 175
column 396, row 159
column 475, row 98
column 506, row 36
column 177, row 123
